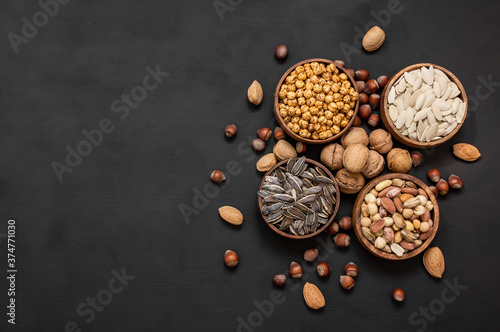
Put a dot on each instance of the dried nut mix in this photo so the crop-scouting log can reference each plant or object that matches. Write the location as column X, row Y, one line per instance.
column 316, row 100
column 396, row 217
column 425, row 105
column 297, row 197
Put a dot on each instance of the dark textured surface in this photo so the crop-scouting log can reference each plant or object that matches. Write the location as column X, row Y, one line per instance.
column 120, row 207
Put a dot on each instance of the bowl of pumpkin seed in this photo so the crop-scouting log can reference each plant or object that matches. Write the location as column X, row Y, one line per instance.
column 298, row 198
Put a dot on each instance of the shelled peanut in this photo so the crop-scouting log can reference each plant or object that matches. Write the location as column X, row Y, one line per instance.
column 396, row 216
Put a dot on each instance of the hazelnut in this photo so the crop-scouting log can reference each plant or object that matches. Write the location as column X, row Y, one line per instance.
column 416, row 158
column 360, row 85
column 265, row 133
column 345, row 223
column 295, row 270
column 332, row 156
column 279, row 133
column 346, row 282
column 230, row 130
column 375, row 165
column 434, row 191
column 374, row 100
column 351, row 270
column 373, row 120
column 281, row 52
column 217, row 176
column 399, row 160
column 356, row 122
column 332, row 229
column 434, row 175
column 323, row 269
column 231, row 258
column 364, row 111
column 311, row 254
column 380, row 141
column 363, row 98
column 301, row 147
column 258, row 145
column 398, row 295
column 350, row 72
column 455, row 182
column 371, row 86
column 339, row 63
column 354, row 136
column 382, row 81
column 342, row 240
column 279, row 280
column 362, row 75
column 443, row 187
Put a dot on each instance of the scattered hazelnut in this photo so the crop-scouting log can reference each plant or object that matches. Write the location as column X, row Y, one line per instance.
column 258, row 145
column 434, row 191
column 311, row 254
column 363, row 98
column 323, row 269
column 416, row 158
column 398, row 295
column 339, row 63
column 332, row 229
column 455, row 182
column 374, row 100
column 346, row 282
column 265, row 133
column 295, row 270
column 217, row 176
column 279, row 133
column 371, row 86
column 342, row 240
column 356, row 122
column 230, row 130
column 362, row 75
column 301, row 147
column 351, row 270
column 443, row 187
column 350, row 72
column 360, row 85
column 345, row 223
column 281, row 52
column 364, row 111
column 382, row 81
column 373, row 120
column 279, row 280
column 231, row 258
column 434, row 175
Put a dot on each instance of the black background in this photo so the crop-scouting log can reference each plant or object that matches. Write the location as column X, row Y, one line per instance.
column 120, row 207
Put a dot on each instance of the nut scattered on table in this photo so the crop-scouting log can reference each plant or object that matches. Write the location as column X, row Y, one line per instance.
column 281, row 52
column 332, row 156
column 231, row 215
column 399, row 160
column 279, row 280
column 266, row 162
column 284, row 150
column 265, row 133
column 258, row 145
column 466, row 151
column 230, row 130
column 434, row 262
column 279, row 133
column 295, row 270
column 217, row 176
column 255, row 93
column 354, row 136
column 231, row 258
column 311, row 254
column 323, row 269
column 373, row 39
column 398, row 295
column 351, row 270
column 347, row 282
column 313, row 296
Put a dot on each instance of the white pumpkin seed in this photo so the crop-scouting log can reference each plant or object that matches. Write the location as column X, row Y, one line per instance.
column 427, row 76
column 443, row 82
column 413, row 136
column 440, row 73
column 449, row 118
column 413, row 98
column 461, row 112
column 409, row 117
column 447, row 93
column 431, row 133
column 454, row 90
column 437, row 89
column 456, row 105
column 451, row 127
column 393, row 113
column 392, row 95
column 401, row 120
column 428, row 100
column 404, row 132
column 437, row 138
column 406, row 97
column 409, row 78
column 441, row 132
column 420, row 115
column 400, row 104
column 424, row 134
column 402, row 86
column 443, row 105
column 421, row 126
column 413, row 127
column 420, row 101
column 437, row 112
column 418, row 82
column 425, row 87
column 430, row 116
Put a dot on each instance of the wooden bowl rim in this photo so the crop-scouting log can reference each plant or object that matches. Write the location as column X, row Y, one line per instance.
column 384, row 114
column 319, row 230
column 356, row 212
column 288, row 130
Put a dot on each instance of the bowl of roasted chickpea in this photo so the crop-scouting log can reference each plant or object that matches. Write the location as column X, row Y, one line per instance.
column 316, row 101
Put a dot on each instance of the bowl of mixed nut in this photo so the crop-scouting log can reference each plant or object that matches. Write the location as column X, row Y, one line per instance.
column 298, row 198
column 423, row 105
column 395, row 216
column 316, row 101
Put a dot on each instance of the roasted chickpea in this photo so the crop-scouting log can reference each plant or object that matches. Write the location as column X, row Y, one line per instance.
column 303, row 133
column 315, row 135
column 354, row 95
column 335, row 88
column 329, row 133
column 321, row 97
column 318, row 104
column 287, row 119
column 299, row 93
column 314, row 79
column 346, row 99
column 328, row 115
column 329, row 123
column 344, row 123
column 282, row 94
column 350, row 113
column 317, row 126
column 303, row 124
column 336, row 120
column 331, row 68
column 299, row 69
column 346, row 85
column 283, row 112
column 309, row 72
column 340, row 105
column 290, row 125
column 314, row 119
column 317, row 88
column 335, row 78
column 301, row 101
column 295, row 128
column 291, row 95
column 308, row 94
column 314, row 110
column 343, row 77
column 322, row 135
column 321, row 120
column 311, row 101
column 295, row 119
column 293, row 102
column 335, row 129
column 292, row 87
column 299, row 84
column 327, row 76
column 310, row 128
column 343, row 91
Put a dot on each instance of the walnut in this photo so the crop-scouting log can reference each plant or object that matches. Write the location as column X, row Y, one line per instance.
column 375, row 166
column 356, row 158
column 349, row 183
column 399, row 160
column 380, row 141
column 332, row 155
column 355, row 135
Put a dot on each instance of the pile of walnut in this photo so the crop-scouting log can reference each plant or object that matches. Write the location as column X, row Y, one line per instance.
column 359, row 156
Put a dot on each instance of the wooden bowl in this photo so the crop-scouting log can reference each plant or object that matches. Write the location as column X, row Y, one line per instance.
column 319, row 230
column 288, row 130
column 389, row 125
column 356, row 213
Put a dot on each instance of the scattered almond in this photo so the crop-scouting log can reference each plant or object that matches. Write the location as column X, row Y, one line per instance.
column 466, row 151
column 255, row 93
column 265, row 163
column 313, row 296
column 434, row 262
column 284, row 150
column 373, row 39
column 231, row 215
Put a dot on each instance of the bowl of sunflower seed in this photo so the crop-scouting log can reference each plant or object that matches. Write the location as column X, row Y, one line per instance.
column 298, row 198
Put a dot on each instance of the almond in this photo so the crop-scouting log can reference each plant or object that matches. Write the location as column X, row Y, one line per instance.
column 231, row 215
column 373, row 39
column 255, row 93
column 466, row 151
column 265, row 163
column 284, row 150
column 434, row 262
column 313, row 296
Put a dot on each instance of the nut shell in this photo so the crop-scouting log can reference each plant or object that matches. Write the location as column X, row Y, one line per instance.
column 466, row 151
column 375, row 165
column 349, row 183
column 266, row 162
column 255, row 93
column 434, row 262
column 356, row 158
column 313, row 296
column 356, row 135
column 284, row 150
column 373, row 39
column 332, row 156
column 231, row 215
column 380, row 141
column 399, row 160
